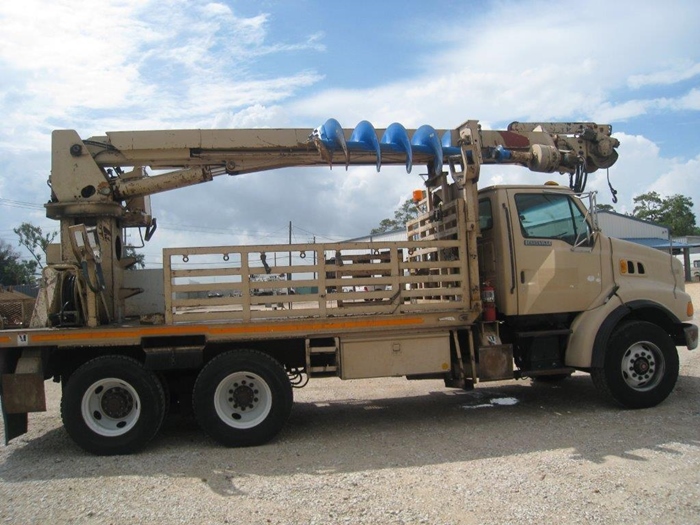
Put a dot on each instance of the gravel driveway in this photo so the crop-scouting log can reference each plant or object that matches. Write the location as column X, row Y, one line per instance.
column 386, row 451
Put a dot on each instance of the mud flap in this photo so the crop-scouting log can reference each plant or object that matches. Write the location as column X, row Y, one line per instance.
column 21, row 392
column 15, row 424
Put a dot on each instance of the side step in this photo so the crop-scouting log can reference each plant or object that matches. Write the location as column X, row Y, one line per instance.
column 322, row 356
column 544, row 333
column 519, row 374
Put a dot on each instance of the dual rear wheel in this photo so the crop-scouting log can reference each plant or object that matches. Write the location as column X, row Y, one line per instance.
column 113, row 405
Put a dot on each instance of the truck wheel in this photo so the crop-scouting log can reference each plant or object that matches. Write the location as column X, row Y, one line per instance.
column 242, row 398
column 641, row 366
column 112, row 405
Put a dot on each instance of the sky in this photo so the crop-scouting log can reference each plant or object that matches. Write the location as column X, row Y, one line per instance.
column 120, row 65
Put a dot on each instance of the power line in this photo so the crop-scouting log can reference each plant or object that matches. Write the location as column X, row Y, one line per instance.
column 332, row 239
column 219, row 231
column 21, row 204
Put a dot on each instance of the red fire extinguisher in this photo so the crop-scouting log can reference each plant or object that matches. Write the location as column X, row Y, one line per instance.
column 488, row 299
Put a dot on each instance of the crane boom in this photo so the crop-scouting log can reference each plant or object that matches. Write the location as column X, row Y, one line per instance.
column 100, row 185
column 199, row 155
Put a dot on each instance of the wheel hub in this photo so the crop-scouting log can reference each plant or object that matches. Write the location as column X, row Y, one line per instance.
column 111, row 407
column 243, row 395
column 242, row 400
column 642, row 366
column 117, row 403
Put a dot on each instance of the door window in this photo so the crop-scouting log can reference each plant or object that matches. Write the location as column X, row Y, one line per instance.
column 485, row 215
column 552, row 216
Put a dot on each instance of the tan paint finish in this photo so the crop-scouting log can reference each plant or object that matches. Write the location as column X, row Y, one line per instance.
column 553, row 278
column 395, row 356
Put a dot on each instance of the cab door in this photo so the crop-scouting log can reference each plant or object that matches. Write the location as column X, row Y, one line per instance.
column 557, row 256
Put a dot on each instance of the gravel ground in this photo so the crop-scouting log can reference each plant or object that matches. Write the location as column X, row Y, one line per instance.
column 386, row 451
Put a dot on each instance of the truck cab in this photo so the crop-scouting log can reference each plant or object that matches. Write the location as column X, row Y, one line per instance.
column 539, row 249
column 569, row 297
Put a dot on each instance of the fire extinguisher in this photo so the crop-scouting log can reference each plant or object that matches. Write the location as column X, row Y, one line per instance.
column 488, row 299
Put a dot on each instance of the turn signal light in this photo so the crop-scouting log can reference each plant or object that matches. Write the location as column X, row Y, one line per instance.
column 689, row 309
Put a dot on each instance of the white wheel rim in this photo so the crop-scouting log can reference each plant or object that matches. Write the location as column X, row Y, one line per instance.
column 643, row 366
column 243, row 400
column 111, row 407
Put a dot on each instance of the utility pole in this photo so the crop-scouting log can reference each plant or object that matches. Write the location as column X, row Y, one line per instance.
column 289, row 274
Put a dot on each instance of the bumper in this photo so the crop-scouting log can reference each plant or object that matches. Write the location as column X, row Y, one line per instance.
column 691, row 336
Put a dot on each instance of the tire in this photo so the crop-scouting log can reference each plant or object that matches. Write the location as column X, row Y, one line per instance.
column 242, row 398
column 167, row 399
column 641, row 366
column 111, row 405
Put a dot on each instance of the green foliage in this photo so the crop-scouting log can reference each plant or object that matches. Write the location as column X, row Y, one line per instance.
column 406, row 212
column 648, row 207
column 674, row 212
column 12, row 269
column 34, row 240
column 130, row 251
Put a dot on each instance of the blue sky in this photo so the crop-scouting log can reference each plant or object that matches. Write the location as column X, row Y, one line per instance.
column 135, row 64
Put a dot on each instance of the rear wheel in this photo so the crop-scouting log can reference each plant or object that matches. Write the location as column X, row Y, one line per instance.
column 242, row 398
column 112, row 405
column 641, row 366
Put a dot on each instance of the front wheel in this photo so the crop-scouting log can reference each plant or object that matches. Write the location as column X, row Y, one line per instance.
column 242, row 398
column 112, row 405
column 640, row 368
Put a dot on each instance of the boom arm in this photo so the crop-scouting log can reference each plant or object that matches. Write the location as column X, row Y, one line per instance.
column 101, row 183
column 81, row 169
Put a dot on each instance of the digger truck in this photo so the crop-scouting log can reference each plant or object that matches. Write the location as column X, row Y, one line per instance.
column 493, row 283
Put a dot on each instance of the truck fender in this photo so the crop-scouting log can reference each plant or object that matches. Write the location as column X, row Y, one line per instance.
column 591, row 330
column 586, row 328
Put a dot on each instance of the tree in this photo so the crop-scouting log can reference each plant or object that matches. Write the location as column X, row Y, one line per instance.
column 678, row 215
column 34, row 240
column 406, row 212
column 675, row 212
column 12, row 269
column 648, row 207
column 130, row 251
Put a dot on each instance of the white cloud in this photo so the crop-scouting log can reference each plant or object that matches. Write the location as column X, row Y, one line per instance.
column 684, row 70
column 150, row 64
column 689, row 101
column 256, row 116
column 547, row 62
column 642, row 168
